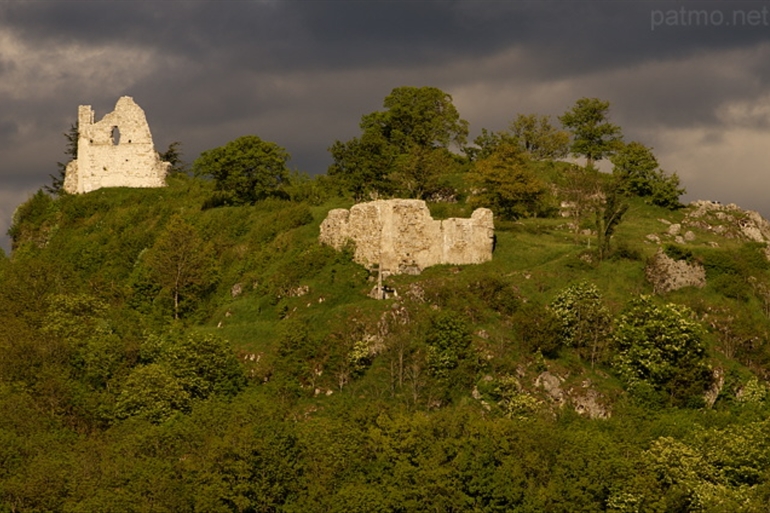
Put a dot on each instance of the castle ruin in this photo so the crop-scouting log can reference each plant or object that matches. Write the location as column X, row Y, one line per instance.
column 400, row 236
column 114, row 152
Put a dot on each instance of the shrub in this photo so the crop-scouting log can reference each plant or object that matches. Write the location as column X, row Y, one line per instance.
column 538, row 329
column 448, row 339
column 585, row 321
column 661, row 346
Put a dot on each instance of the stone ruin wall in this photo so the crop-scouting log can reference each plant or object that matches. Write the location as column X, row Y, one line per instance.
column 115, row 152
column 401, row 236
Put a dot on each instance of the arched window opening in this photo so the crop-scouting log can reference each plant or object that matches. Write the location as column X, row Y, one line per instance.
column 115, row 135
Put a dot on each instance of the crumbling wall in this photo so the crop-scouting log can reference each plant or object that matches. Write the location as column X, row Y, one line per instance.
column 115, row 152
column 400, row 235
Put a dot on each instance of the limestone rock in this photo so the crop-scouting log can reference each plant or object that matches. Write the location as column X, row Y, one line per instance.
column 652, row 237
column 115, row 152
column 674, row 229
column 729, row 221
column 667, row 274
column 400, row 236
column 551, row 383
column 590, row 405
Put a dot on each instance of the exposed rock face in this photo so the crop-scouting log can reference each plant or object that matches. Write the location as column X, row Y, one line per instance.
column 667, row 274
column 400, row 235
column 114, row 152
column 730, row 221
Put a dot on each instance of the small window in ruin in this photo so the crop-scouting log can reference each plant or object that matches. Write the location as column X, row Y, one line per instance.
column 115, row 135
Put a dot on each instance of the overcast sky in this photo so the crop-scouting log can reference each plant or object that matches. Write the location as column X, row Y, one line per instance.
column 690, row 79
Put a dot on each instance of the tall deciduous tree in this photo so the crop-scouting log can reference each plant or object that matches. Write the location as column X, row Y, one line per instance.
column 505, row 184
column 246, row 169
column 593, row 136
column 403, row 149
column 181, row 263
column 539, row 138
column 637, row 172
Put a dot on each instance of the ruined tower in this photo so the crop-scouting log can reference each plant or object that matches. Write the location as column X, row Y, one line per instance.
column 114, row 152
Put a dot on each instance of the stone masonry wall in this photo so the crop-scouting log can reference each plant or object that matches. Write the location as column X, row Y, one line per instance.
column 115, row 152
column 401, row 236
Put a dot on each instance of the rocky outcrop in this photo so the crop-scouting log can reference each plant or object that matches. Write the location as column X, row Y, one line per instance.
column 729, row 221
column 115, row 152
column 667, row 274
column 400, row 236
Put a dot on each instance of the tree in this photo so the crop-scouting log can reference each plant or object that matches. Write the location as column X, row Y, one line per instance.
column 173, row 155
column 593, row 136
column 181, row 263
column 585, row 321
column 635, row 167
column 609, row 213
column 449, row 340
column 637, row 172
column 71, row 150
column 539, row 138
column 418, row 116
column 246, row 170
column 151, row 392
column 660, row 348
column 506, row 185
column 403, row 149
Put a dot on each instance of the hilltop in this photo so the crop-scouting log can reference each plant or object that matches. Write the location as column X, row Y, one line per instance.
column 196, row 348
column 87, row 323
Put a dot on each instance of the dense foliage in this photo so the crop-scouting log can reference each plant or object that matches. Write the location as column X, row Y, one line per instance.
column 403, row 150
column 245, row 170
column 194, row 348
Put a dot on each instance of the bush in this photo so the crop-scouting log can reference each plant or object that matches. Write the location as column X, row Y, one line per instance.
column 661, row 346
column 498, row 294
column 448, row 339
column 585, row 321
column 538, row 329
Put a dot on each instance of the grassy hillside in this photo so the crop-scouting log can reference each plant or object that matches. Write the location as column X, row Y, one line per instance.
column 268, row 380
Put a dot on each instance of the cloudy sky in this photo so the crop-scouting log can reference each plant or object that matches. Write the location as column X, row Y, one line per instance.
column 690, row 78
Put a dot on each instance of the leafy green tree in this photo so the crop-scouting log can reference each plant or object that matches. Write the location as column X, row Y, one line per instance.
column 246, row 170
column 585, row 320
column 204, row 365
column 661, row 348
column 418, row 116
column 71, row 150
column 181, row 263
column 404, row 148
column 449, row 340
column 151, row 392
column 666, row 191
column 506, row 185
column 636, row 169
column 539, row 138
column 593, row 136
